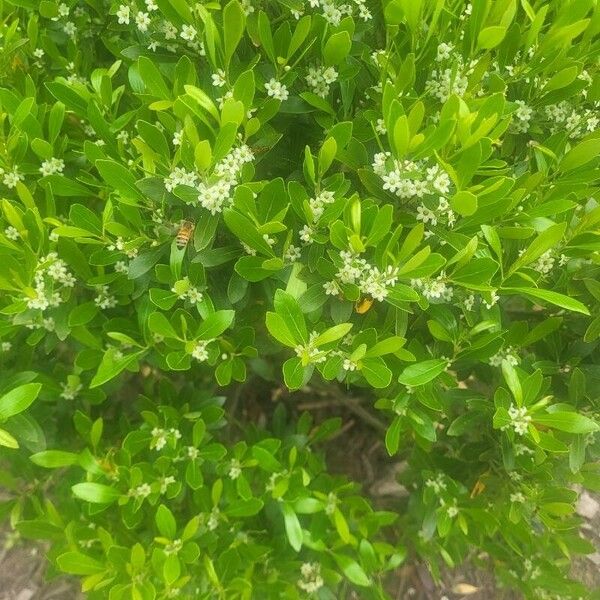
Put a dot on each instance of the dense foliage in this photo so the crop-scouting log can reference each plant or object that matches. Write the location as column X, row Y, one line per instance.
column 397, row 198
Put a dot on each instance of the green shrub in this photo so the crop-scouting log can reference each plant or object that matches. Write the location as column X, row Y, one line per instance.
column 398, row 199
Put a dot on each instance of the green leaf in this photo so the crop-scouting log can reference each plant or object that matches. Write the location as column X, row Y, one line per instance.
column 490, row 37
column 7, row 440
column 571, row 422
column 293, row 373
column 337, row 48
column 18, row 399
column 158, row 323
column 293, row 528
column 513, row 382
column 215, row 324
column 152, row 78
column 352, row 570
column 112, row 364
column 376, row 372
column 96, row 493
column 279, row 330
column 326, row 155
column 580, row 155
column 52, row 459
column 333, row 333
column 121, row 179
column 165, row 521
column 76, row 563
column 552, row 297
column 464, row 203
column 401, row 136
column 287, row 307
column 423, row 372
column 233, row 28
column 244, row 508
column 392, row 436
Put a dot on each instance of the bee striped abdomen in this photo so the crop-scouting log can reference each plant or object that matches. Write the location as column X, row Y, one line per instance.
column 184, row 234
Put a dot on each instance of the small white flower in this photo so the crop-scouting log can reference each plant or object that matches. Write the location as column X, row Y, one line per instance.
column 52, row 166
column 188, row 33
column 69, row 28
column 292, row 254
column 177, row 137
column 12, row 178
column 12, row 233
column 276, row 90
column 380, row 127
column 200, row 353
column 235, row 468
column 306, row 234
column 151, row 5
column 123, row 14
column 331, row 288
column 5, row 346
column 517, row 497
column 218, row 78
column 38, row 52
column 142, row 20
column 444, row 51
column 349, row 365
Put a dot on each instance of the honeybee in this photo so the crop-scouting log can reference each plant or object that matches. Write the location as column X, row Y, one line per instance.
column 363, row 305
column 184, row 234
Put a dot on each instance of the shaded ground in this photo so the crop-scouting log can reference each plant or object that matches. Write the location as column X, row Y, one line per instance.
column 358, row 452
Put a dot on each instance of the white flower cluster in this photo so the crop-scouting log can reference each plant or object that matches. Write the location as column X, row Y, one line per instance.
column 370, row 280
column 509, row 354
column 309, row 353
column 213, row 519
column 51, row 276
column 104, row 299
column 332, row 502
column 519, row 420
column 215, row 196
column 12, row 233
column 141, row 491
column 444, row 51
column 408, row 179
column 438, row 484
column 200, row 351
column 318, row 204
column 71, row 389
column 179, row 176
column 173, row 548
column 522, row 115
column 166, row 32
column 454, row 79
column 276, row 89
column 186, row 291
column 320, row 79
column 434, row 289
column 11, row 178
column 235, row 469
column 545, row 263
column 311, row 580
column 122, row 246
column 52, row 166
column 563, row 116
column 160, row 437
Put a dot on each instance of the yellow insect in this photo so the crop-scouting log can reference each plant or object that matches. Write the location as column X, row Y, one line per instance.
column 184, row 234
column 363, row 305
